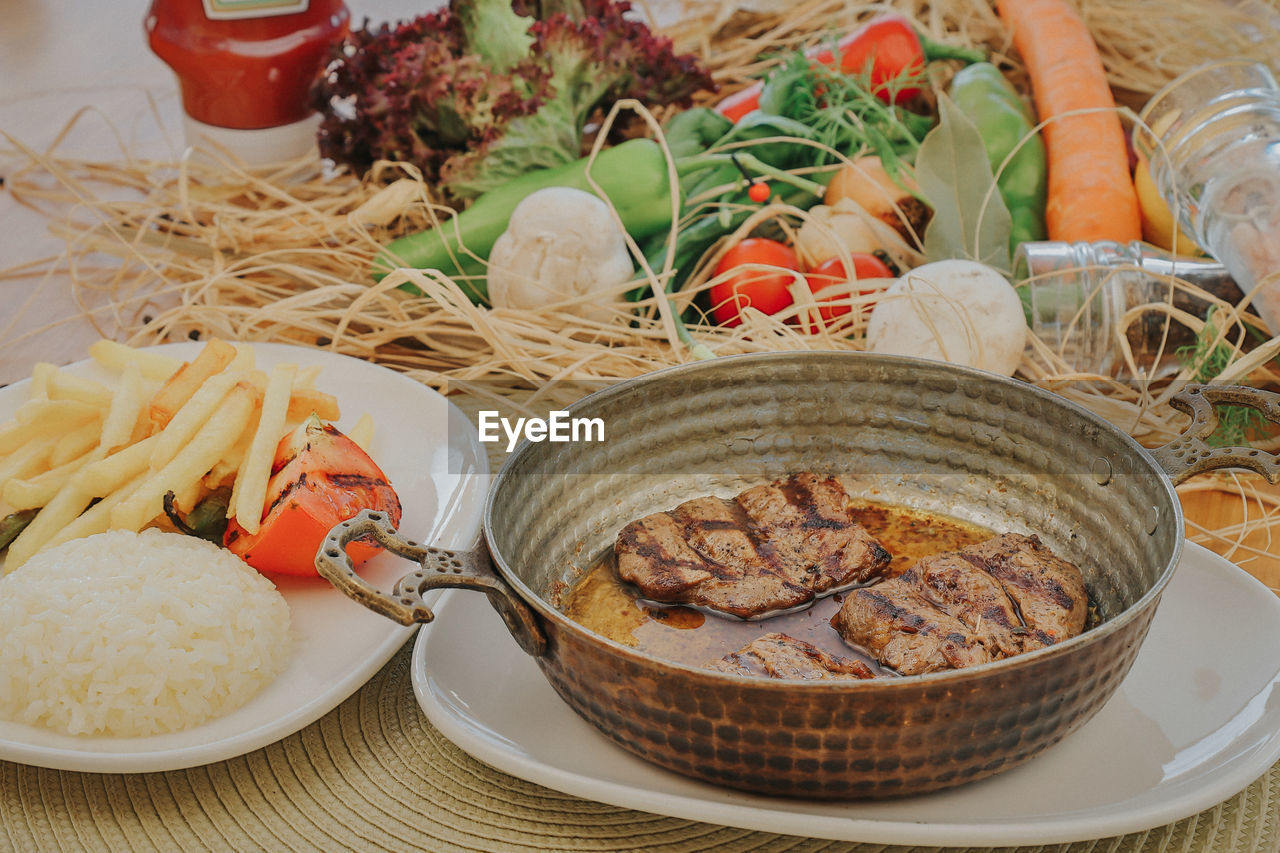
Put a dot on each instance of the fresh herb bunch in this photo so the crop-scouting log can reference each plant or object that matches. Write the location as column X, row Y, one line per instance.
column 1206, row 357
column 809, row 117
column 842, row 112
column 483, row 91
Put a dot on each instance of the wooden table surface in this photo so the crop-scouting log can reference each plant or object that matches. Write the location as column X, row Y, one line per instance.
column 1256, row 551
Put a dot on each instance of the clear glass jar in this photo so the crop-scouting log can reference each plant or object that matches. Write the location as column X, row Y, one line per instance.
column 1212, row 139
column 1077, row 296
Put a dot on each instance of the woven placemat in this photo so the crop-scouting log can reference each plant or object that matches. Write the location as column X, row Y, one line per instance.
column 374, row 774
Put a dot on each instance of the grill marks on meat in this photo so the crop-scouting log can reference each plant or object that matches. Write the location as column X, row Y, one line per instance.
column 904, row 629
column 811, row 532
column 782, row 656
column 773, row 547
column 978, row 600
column 1048, row 590
column 992, row 600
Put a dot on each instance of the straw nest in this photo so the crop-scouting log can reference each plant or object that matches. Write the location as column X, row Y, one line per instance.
column 203, row 247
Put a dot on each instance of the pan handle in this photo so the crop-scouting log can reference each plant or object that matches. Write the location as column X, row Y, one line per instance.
column 439, row 568
column 1189, row 454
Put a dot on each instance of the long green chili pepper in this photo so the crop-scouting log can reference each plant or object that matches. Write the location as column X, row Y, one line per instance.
column 702, row 232
column 633, row 175
column 1003, row 121
column 207, row 520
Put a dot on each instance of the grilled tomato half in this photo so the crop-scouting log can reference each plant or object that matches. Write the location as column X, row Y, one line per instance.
column 319, row 478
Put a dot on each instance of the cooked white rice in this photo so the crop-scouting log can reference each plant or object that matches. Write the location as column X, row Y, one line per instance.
column 133, row 634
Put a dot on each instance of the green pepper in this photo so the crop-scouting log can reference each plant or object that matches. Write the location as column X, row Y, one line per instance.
column 13, row 524
column 1004, row 120
column 633, row 175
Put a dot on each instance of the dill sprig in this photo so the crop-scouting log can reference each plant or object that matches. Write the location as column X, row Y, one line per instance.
column 1206, row 357
column 842, row 112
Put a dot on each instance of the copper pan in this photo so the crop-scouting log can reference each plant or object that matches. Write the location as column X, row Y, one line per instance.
column 970, row 444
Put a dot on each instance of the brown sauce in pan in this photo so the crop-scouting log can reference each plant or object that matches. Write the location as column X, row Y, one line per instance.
column 603, row 603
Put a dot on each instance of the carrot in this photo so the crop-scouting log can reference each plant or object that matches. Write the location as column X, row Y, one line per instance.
column 1091, row 194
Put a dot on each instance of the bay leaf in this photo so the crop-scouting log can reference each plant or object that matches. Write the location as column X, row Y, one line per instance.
column 970, row 219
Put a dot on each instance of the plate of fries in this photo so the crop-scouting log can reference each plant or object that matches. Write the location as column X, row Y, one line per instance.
column 98, row 444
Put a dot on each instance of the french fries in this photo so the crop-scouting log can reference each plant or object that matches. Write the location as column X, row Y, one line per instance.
column 67, row 386
column 185, row 381
column 116, row 357
column 35, row 492
column 206, row 447
column 76, row 443
column 41, row 418
column 93, row 456
column 362, row 432
column 250, row 491
column 60, row 511
column 188, row 420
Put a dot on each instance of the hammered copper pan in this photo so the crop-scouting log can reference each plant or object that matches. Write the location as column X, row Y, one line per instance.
column 987, row 449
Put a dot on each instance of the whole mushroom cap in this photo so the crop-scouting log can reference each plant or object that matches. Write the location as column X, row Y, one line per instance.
column 560, row 244
column 958, row 311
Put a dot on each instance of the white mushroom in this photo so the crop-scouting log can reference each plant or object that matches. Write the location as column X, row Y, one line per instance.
column 958, row 311
column 561, row 244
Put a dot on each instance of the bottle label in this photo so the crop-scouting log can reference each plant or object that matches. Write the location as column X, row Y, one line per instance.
column 230, row 10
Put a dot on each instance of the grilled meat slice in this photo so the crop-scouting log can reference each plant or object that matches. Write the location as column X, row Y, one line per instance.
column 773, row 547
column 898, row 624
column 782, row 656
column 992, row 600
column 1048, row 591
column 979, row 601
column 655, row 538
column 721, row 533
column 812, row 533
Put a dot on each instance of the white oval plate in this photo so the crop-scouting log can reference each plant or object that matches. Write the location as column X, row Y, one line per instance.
column 431, row 454
column 1196, row 720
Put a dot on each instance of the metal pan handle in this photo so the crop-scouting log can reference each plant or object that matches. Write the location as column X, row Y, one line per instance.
column 439, row 568
column 1189, row 454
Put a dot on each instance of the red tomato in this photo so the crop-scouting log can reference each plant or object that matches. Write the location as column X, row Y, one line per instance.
column 762, row 289
column 831, row 273
column 319, row 478
column 888, row 50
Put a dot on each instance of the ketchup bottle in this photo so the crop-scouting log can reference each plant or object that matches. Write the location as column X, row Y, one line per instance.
column 245, row 68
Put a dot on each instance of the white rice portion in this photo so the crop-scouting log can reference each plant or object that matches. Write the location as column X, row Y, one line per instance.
column 133, row 634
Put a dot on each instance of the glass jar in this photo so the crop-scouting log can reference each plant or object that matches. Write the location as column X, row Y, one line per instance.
column 245, row 68
column 1212, row 140
column 1077, row 296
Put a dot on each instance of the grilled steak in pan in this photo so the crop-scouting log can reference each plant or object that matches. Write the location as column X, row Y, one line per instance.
column 996, row 452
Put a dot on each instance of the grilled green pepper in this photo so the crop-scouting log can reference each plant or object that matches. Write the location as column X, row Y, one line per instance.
column 1004, row 120
column 13, row 524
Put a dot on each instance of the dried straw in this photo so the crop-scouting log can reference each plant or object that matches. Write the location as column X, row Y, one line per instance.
column 205, row 247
